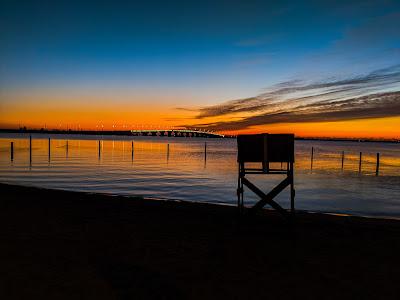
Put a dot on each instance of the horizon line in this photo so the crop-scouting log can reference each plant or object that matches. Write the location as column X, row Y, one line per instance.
column 109, row 132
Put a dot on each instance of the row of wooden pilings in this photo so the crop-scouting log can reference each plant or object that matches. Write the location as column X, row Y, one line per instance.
column 99, row 149
column 205, row 154
column 359, row 161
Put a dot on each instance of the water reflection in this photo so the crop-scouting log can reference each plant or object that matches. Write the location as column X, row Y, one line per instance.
column 200, row 169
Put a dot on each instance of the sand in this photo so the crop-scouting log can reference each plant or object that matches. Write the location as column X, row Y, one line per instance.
column 67, row 245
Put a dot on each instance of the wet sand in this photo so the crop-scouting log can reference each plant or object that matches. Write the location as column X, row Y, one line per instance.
column 66, row 245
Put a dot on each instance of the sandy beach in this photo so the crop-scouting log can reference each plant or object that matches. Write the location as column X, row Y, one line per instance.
column 68, row 245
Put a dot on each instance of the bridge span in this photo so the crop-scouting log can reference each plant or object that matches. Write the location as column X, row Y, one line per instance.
column 177, row 133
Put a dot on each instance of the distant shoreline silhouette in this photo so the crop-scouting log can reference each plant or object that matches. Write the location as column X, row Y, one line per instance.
column 129, row 133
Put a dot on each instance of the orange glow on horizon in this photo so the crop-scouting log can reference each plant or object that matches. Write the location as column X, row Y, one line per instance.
column 381, row 128
column 114, row 114
column 378, row 128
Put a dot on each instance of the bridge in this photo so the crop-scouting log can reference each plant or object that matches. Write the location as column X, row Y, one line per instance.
column 148, row 132
column 177, row 133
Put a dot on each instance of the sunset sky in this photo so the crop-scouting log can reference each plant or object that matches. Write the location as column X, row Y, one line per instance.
column 315, row 68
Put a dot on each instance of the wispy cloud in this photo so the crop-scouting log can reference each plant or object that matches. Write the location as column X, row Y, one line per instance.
column 255, row 59
column 369, row 96
column 377, row 31
column 371, row 43
column 257, row 41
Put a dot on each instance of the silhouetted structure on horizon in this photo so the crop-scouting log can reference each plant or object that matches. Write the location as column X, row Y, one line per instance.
column 177, row 133
column 142, row 132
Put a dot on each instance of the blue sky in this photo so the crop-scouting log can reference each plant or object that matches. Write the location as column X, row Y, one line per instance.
column 207, row 52
column 249, row 44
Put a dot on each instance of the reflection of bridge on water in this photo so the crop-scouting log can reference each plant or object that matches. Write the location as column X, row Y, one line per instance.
column 177, row 133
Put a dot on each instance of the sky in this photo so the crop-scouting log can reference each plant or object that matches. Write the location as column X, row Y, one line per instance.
column 315, row 68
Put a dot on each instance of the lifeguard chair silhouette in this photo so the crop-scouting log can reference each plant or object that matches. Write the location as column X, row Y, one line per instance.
column 264, row 149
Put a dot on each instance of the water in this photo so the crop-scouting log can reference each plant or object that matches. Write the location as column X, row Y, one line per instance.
column 183, row 173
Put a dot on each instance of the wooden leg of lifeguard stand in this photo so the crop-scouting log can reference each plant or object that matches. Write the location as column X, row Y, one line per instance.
column 292, row 191
column 267, row 198
column 240, row 190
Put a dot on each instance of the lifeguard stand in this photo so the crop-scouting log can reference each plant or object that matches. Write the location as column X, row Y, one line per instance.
column 264, row 149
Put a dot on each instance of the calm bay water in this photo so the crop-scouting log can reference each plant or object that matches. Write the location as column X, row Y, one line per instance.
column 183, row 173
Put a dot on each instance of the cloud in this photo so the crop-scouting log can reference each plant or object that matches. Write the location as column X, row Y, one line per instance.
column 257, row 41
column 370, row 43
column 234, row 106
column 372, row 106
column 373, row 95
column 255, row 60
column 377, row 31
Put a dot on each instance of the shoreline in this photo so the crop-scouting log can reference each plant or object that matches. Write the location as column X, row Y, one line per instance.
column 62, row 245
column 222, row 204
column 129, row 134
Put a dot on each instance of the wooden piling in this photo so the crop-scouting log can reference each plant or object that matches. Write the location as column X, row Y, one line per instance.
column 205, row 151
column 132, row 149
column 66, row 149
column 12, row 151
column 342, row 160
column 49, row 150
column 312, row 157
column 359, row 163
column 377, row 164
column 99, row 149
column 30, row 149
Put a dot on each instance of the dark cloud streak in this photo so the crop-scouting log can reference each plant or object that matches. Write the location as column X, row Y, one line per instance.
column 373, row 106
column 370, row 96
